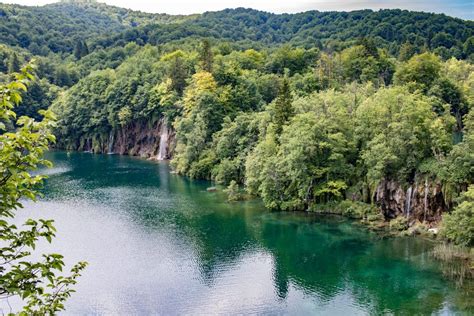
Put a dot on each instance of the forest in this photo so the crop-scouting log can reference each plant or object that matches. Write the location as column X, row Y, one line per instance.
column 364, row 113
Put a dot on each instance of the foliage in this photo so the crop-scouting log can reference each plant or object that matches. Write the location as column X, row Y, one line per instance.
column 233, row 143
column 59, row 27
column 399, row 223
column 459, row 225
column 232, row 191
column 283, row 107
column 38, row 283
column 421, row 70
column 360, row 64
column 351, row 209
column 391, row 146
column 309, row 111
column 306, row 109
column 310, row 164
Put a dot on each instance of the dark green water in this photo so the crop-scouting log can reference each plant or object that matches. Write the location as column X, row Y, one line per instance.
column 158, row 243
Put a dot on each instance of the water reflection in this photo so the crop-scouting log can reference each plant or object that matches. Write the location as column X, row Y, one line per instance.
column 159, row 243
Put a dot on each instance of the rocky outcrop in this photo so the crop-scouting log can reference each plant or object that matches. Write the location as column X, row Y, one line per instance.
column 422, row 200
column 154, row 141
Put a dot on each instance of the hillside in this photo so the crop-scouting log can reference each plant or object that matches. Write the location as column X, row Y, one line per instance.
column 58, row 27
column 389, row 28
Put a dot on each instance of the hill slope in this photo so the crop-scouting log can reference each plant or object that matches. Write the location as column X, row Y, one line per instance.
column 58, row 27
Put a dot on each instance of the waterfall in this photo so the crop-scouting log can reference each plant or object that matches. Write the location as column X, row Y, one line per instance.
column 408, row 201
column 162, row 151
column 425, row 200
column 88, row 146
column 110, row 150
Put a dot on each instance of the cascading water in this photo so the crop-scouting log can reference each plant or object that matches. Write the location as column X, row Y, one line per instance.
column 162, row 151
column 425, row 200
column 110, row 150
column 408, row 201
column 88, row 146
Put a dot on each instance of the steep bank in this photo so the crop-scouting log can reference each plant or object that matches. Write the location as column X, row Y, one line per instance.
column 423, row 200
column 154, row 141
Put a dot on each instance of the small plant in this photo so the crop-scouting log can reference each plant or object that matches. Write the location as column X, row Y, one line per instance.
column 400, row 223
column 457, row 262
column 233, row 192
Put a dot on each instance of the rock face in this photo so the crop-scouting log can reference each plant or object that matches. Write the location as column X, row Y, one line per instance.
column 423, row 200
column 155, row 141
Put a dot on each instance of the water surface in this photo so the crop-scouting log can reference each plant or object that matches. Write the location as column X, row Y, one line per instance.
column 159, row 243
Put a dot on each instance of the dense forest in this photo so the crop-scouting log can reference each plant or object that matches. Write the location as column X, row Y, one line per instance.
column 364, row 113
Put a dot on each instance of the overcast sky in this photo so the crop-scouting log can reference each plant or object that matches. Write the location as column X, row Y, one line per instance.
column 459, row 8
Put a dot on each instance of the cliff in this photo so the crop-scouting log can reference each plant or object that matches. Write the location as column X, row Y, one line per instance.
column 154, row 141
column 423, row 200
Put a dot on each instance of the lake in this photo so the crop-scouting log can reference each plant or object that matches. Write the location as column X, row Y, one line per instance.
column 159, row 243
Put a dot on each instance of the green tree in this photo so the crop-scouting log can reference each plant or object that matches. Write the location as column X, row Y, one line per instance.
column 310, row 164
column 283, row 107
column 468, row 46
column 364, row 63
column 442, row 39
column 202, row 117
column 78, row 50
column 458, row 168
column 233, row 143
column 232, row 191
column 421, row 70
column 407, row 50
column 458, row 226
column 85, row 49
column 81, row 49
column 177, row 71
column 37, row 283
column 14, row 63
column 62, row 77
column 449, row 93
column 397, row 131
column 125, row 116
column 206, row 56
column 370, row 47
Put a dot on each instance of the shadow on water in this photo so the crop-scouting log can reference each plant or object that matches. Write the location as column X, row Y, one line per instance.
column 316, row 261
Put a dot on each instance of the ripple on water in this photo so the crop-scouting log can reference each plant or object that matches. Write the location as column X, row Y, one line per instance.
column 160, row 244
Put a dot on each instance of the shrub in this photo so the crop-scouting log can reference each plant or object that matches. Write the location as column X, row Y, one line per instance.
column 233, row 192
column 459, row 225
column 400, row 223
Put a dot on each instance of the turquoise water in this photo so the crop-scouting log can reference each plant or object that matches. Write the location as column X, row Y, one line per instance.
column 158, row 243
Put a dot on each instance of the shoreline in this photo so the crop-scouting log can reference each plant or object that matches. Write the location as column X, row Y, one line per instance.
column 443, row 250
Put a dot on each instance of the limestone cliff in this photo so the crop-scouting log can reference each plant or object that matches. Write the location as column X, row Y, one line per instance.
column 423, row 200
column 154, row 141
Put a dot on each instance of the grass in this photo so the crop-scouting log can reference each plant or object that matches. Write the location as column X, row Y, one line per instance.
column 457, row 261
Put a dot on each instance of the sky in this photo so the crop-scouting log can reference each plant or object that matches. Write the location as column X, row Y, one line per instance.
column 458, row 8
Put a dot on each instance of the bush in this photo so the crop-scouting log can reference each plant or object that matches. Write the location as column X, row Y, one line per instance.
column 400, row 223
column 233, row 192
column 360, row 210
column 351, row 209
column 459, row 225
